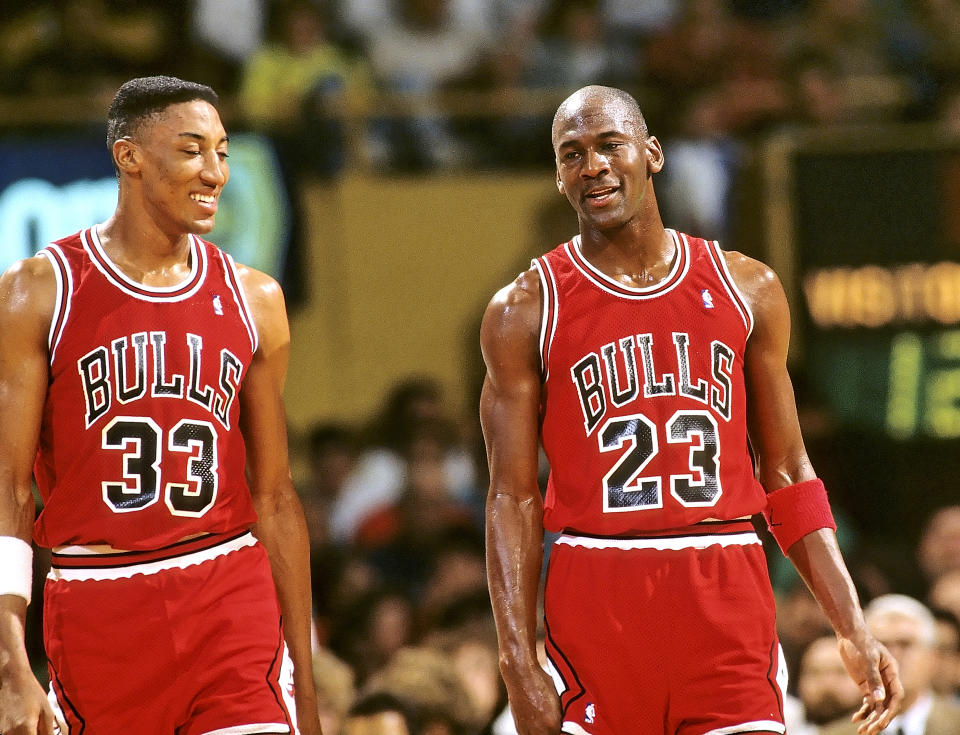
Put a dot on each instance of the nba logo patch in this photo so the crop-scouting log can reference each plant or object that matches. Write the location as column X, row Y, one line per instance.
column 707, row 298
column 590, row 713
column 217, row 305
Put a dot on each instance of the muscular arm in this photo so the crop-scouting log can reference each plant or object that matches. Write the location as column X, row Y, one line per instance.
column 782, row 460
column 280, row 523
column 27, row 296
column 509, row 415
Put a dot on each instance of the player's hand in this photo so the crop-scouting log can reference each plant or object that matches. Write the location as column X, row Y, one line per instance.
column 534, row 702
column 875, row 671
column 24, row 709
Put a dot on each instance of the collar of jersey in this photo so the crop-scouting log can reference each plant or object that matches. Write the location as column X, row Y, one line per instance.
column 600, row 279
column 198, row 267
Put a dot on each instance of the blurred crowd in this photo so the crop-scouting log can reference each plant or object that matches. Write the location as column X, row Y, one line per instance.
column 419, row 85
column 425, row 84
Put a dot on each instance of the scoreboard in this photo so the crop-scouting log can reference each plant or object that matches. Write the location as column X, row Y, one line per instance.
column 864, row 230
column 873, row 235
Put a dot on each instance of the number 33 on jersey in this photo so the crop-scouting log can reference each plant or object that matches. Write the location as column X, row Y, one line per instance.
column 144, row 385
column 643, row 410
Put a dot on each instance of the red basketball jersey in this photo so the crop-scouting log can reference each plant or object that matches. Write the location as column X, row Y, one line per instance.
column 643, row 415
column 139, row 446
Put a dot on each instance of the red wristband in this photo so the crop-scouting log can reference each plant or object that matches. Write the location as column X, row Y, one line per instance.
column 796, row 510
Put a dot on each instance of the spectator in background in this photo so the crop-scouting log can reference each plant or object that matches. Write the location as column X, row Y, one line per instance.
column 335, row 690
column 938, row 550
column 907, row 628
column 427, row 680
column 331, row 457
column 945, row 592
column 225, row 33
column 946, row 677
column 380, row 473
column 380, row 713
column 298, row 85
column 87, row 46
column 417, row 52
column 825, row 691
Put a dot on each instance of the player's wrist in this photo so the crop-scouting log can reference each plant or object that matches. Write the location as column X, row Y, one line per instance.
column 16, row 569
column 796, row 510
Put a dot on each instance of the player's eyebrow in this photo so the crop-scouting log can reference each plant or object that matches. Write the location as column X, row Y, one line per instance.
column 198, row 137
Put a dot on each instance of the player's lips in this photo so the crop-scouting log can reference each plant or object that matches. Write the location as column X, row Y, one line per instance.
column 600, row 195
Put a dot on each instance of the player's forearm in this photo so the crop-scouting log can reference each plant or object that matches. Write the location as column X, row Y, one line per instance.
column 514, row 560
column 13, row 652
column 817, row 558
column 282, row 530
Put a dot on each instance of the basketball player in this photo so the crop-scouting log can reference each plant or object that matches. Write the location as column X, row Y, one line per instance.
column 141, row 372
column 643, row 358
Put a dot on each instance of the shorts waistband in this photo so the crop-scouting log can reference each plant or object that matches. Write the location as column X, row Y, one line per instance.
column 698, row 536
column 101, row 562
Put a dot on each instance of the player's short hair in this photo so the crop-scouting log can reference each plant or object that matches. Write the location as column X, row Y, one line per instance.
column 609, row 95
column 144, row 97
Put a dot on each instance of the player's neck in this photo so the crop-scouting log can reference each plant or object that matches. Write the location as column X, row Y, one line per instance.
column 144, row 252
column 637, row 255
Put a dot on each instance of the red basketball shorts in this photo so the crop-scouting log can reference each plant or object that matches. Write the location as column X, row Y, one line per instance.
column 673, row 635
column 183, row 640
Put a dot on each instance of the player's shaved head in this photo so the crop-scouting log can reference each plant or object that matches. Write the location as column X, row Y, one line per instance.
column 597, row 96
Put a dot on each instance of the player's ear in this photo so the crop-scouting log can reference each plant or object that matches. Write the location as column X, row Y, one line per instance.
column 654, row 153
column 560, row 184
column 127, row 156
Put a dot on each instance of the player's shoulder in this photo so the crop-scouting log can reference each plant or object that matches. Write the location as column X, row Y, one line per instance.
column 515, row 308
column 28, row 291
column 755, row 279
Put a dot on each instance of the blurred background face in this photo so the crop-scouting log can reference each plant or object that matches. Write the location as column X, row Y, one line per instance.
column 946, row 677
column 824, row 687
column 382, row 723
column 903, row 638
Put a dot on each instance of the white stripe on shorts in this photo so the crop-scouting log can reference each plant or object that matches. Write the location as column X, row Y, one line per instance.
column 665, row 542
column 150, row 567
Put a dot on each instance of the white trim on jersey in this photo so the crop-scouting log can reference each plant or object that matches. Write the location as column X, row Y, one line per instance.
column 250, row 729
column 90, row 238
column 61, row 310
column 551, row 307
column 662, row 543
column 731, row 285
column 241, row 298
column 572, row 728
column 600, row 279
column 73, row 574
column 747, row 727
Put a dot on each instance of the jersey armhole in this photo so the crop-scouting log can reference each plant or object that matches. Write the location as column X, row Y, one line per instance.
column 733, row 291
column 61, row 308
column 548, row 314
column 246, row 315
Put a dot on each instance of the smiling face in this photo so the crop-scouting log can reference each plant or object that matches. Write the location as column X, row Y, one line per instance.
column 604, row 159
column 176, row 161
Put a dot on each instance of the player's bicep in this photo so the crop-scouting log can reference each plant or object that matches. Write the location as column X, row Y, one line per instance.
column 510, row 400
column 771, row 408
column 27, row 296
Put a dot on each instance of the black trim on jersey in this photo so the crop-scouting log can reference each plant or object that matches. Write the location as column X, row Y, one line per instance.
column 581, row 689
column 142, row 557
column 273, row 684
column 63, row 700
column 742, row 526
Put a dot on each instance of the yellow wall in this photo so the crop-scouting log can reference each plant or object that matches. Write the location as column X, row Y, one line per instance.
column 400, row 270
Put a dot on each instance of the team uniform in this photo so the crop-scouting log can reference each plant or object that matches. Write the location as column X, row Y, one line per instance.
column 658, row 608
column 160, row 612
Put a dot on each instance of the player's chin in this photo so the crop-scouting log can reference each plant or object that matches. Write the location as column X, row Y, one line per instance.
column 202, row 226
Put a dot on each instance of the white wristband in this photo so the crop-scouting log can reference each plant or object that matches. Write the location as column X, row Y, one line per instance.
column 16, row 567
